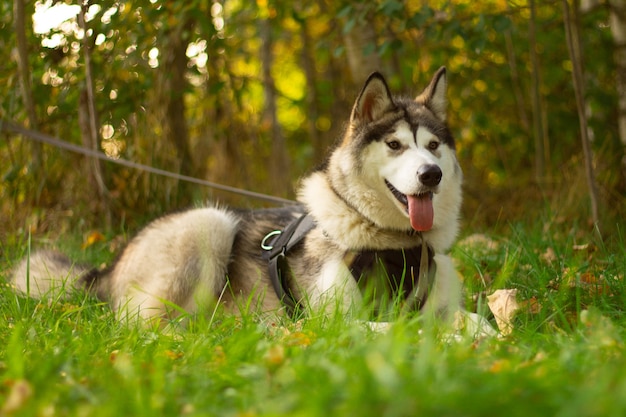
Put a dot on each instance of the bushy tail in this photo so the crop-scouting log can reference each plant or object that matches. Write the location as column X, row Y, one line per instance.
column 50, row 274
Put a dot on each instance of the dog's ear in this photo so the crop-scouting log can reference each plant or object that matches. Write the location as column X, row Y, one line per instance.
column 373, row 101
column 434, row 96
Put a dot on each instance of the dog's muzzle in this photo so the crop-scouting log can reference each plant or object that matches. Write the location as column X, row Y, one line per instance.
column 429, row 175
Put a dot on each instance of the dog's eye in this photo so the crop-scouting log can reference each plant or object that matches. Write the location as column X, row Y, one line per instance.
column 393, row 145
column 433, row 145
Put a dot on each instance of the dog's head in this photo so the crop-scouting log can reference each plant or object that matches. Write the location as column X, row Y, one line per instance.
column 398, row 157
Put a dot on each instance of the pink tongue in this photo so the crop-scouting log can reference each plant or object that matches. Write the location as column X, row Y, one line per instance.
column 421, row 212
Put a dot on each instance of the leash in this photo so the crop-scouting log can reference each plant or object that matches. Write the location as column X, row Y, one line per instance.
column 277, row 244
column 50, row 140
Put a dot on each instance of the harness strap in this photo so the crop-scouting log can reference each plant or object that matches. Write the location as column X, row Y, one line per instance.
column 425, row 280
column 276, row 249
column 277, row 244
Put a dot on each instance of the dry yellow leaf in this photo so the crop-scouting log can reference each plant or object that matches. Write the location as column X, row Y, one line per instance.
column 275, row 356
column 20, row 393
column 503, row 305
column 92, row 238
column 549, row 256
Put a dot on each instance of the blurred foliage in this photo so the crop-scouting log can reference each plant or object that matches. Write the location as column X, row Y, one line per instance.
column 485, row 46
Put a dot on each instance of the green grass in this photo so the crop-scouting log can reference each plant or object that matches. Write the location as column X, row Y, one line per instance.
column 565, row 356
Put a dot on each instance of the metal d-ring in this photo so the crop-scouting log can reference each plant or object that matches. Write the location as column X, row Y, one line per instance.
column 267, row 236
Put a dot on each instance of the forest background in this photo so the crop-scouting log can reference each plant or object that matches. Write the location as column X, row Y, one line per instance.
column 252, row 94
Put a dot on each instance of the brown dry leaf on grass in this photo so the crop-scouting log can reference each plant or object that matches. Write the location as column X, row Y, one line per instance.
column 549, row 256
column 503, row 305
column 20, row 392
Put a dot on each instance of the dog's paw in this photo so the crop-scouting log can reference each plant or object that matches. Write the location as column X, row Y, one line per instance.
column 472, row 324
column 378, row 326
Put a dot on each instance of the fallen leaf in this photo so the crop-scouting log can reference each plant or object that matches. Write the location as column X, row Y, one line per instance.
column 549, row 255
column 479, row 241
column 500, row 365
column 173, row 355
column 503, row 305
column 219, row 356
column 275, row 356
column 532, row 305
column 298, row 339
column 92, row 238
column 113, row 355
column 591, row 283
column 589, row 278
column 600, row 331
column 20, row 393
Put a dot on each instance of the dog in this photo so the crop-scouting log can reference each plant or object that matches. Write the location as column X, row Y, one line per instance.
column 373, row 222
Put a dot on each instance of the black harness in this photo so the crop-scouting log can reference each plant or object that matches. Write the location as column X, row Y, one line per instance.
column 281, row 242
column 409, row 270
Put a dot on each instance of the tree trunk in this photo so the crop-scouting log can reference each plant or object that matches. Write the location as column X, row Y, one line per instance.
column 540, row 162
column 312, row 109
column 574, row 46
column 173, row 70
column 226, row 130
column 279, row 161
column 90, row 131
column 618, row 30
column 516, row 80
column 361, row 36
column 23, row 66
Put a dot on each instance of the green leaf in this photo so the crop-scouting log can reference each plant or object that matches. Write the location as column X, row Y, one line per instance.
column 420, row 18
column 347, row 28
column 501, row 23
column 345, row 12
column 391, row 8
column 369, row 49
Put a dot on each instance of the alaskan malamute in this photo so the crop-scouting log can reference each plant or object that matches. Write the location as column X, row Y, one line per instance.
column 374, row 221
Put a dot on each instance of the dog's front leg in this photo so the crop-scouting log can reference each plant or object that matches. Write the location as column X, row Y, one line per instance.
column 334, row 290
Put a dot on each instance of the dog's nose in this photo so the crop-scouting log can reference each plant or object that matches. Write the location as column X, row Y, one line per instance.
column 429, row 175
